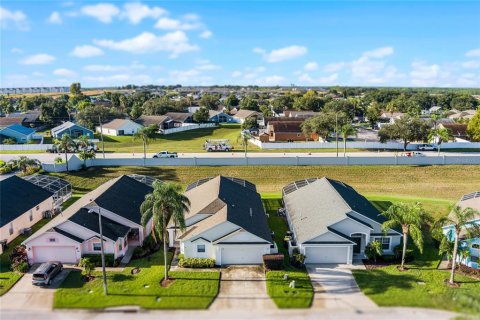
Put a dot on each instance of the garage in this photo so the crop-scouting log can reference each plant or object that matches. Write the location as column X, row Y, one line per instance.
column 64, row 254
column 325, row 254
column 246, row 254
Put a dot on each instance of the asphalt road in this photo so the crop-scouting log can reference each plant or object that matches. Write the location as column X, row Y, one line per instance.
column 49, row 157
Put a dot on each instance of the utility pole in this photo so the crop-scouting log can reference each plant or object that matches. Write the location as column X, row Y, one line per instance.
column 336, row 130
column 104, row 274
column 101, row 136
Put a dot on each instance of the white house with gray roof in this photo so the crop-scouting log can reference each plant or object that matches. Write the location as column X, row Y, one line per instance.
column 226, row 222
column 333, row 223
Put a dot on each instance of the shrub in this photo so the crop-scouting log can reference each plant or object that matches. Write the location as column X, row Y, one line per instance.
column 196, row 263
column 58, row 160
column 273, row 261
column 9, row 141
column 408, row 253
column 373, row 250
column 96, row 259
column 2, row 163
column 19, row 259
column 5, row 170
column 87, row 265
column 20, row 267
column 298, row 259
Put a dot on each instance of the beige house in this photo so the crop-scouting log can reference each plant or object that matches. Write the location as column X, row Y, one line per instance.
column 22, row 204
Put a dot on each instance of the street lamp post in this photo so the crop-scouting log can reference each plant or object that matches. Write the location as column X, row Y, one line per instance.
column 102, row 252
column 336, row 130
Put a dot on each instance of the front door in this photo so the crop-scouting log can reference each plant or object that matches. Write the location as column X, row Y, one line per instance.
column 358, row 244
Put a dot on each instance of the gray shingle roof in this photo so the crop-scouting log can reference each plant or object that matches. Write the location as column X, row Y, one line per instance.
column 111, row 229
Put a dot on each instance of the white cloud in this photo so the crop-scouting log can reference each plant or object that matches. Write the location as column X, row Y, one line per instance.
column 473, row 53
column 86, row 51
column 174, row 42
column 207, row 34
column 469, row 80
column 17, row 19
column 272, row 80
column 115, row 68
column 282, row 54
column 472, row 64
column 16, row 50
column 334, row 67
column 378, row 53
column 427, row 75
column 306, row 78
column 311, row 66
column 135, row 12
column 55, row 18
column 236, row 74
column 62, row 72
column 175, row 24
column 103, row 12
column 206, row 65
column 117, row 79
column 41, row 58
column 371, row 68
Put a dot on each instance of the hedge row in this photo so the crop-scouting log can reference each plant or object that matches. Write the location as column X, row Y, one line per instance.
column 196, row 263
column 97, row 259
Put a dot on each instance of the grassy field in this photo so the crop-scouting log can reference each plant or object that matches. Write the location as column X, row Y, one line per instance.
column 7, row 277
column 277, row 287
column 191, row 290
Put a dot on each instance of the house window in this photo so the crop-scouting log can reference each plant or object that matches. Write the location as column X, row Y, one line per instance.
column 52, row 240
column 97, row 247
column 10, row 229
column 385, row 241
column 200, row 248
column 120, row 245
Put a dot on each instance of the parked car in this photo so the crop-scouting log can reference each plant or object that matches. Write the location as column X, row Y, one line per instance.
column 413, row 154
column 46, row 272
column 426, row 147
column 165, row 154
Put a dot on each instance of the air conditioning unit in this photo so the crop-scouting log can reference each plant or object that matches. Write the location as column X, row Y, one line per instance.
column 27, row 231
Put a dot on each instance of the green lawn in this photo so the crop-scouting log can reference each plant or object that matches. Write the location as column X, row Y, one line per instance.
column 191, row 290
column 7, row 277
column 277, row 287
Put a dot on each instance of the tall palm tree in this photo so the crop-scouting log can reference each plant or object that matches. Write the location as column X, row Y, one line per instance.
column 459, row 220
column 439, row 135
column 83, row 142
column 410, row 217
column 165, row 203
column 347, row 130
column 145, row 134
column 65, row 143
column 244, row 136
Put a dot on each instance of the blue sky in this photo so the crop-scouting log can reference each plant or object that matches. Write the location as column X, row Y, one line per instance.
column 314, row 43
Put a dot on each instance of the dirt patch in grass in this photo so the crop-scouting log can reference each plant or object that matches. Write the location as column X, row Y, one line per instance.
column 167, row 282
column 371, row 265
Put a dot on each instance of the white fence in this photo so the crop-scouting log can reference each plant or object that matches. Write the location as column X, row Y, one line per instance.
column 24, row 147
column 75, row 163
column 189, row 126
column 358, row 145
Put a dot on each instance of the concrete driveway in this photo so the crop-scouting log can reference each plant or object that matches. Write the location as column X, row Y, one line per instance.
column 24, row 295
column 335, row 288
column 243, row 287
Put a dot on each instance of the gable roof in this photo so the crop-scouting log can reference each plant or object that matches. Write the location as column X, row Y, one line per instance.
column 7, row 121
column 18, row 196
column 67, row 125
column 149, row 120
column 179, row 116
column 68, row 235
column 110, row 229
column 117, row 123
column 227, row 200
column 244, row 113
column 455, row 129
column 470, row 200
column 286, row 126
column 315, row 204
column 20, row 129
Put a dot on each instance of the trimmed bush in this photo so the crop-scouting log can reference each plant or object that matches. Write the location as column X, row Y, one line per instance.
column 21, row 267
column 273, row 261
column 96, row 259
column 196, row 263
column 87, row 265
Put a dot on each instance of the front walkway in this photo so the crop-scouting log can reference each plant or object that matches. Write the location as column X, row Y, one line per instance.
column 335, row 288
column 243, row 288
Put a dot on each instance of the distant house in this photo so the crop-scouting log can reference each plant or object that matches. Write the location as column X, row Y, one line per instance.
column 219, row 117
column 18, row 132
column 22, row 204
column 31, row 118
column 457, row 130
column 76, row 231
column 471, row 200
column 391, row 117
column 119, row 127
column 435, row 109
column 177, row 119
column 466, row 114
column 300, row 114
column 73, row 129
column 160, row 121
column 287, row 131
column 226, row 222
column 243, row 114
column 8, row 121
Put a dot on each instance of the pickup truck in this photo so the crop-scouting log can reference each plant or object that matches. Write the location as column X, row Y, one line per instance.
column 165, row 154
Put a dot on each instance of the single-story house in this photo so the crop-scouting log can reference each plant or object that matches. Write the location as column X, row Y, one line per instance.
column 119, row 127
column 466, row 114
column 219, row 116
column 391, row 117
column 8, row 121
column 288, row 131
column 76, row 231
column 22, row 204
column 177, row 119
column 243, row 114
column 31, row 118
column 226, row 222
column 300, row 114
column 18, row 132
column 456, row 130
column 160, row 121
column 333, row 223
column 470, row 200
column 73, row 129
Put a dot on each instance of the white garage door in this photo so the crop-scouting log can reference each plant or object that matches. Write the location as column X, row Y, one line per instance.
column 246, row 254
column 326, row 255
column 65, row 254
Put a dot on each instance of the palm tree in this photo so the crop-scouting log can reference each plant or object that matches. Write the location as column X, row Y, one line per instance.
column 165, row 203
column 464, row 254
column 410, row 217
column 244, row 136
column 145, row 134
column 439, row 135
column 83, row 142
column 459, row 220
column 347, row 130
column 64, row 143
